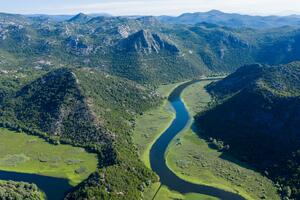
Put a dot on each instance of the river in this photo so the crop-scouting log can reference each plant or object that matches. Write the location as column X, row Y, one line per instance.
column 54, row 188
column 158, row 150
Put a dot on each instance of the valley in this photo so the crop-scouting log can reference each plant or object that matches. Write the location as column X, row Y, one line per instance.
column 182, row 157
column 202, row 106
column 193, row 159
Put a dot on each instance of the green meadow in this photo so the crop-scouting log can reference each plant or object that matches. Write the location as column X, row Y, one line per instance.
column 152, row 124
column 163, row 193
column 191, row 158
column 24, row 153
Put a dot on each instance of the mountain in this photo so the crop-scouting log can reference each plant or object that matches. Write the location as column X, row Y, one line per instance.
column 80, row 18
column 141, row 55
column 257, row 113
column 141, row 49
column 7, row 18
column 87, row 108
column 61, row 18
column 280, row 50
column 233, row 19
column 54, row 104
column 146, row 42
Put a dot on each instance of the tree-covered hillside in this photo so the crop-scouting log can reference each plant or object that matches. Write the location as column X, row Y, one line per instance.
column 257, row 113
column 88, row 108
column 10, row 190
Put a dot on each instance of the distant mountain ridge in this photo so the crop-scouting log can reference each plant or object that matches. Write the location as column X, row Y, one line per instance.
column 233, row 19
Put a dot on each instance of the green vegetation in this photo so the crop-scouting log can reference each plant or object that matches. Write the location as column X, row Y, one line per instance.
column 10, row 190
column 148, row 128
column 143, row 49
column 29, row 154
column 256, row 112
column 152, row 123
column 58, row 81
column 163, row 193
column 86, row 108
column 195, row 97
column 193, row 159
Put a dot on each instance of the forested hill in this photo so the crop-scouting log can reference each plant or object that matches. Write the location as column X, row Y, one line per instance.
column 257, row 113
column 14, row 190
column 141, row 49
column 83, row 107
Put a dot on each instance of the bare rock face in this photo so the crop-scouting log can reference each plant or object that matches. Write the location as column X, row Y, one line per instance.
column 146, row 42
column 78, row 46
column 124, row 31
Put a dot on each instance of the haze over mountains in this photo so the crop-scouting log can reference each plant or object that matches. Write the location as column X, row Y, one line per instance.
column 233, row 20
column 213, row 16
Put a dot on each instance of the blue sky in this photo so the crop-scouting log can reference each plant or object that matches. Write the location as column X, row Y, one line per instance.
column 149, row 7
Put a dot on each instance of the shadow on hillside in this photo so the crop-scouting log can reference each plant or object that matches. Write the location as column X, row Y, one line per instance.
column 225, row 155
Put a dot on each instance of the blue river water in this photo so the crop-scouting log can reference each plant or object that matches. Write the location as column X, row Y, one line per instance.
column 158, row 150
column 54, row 188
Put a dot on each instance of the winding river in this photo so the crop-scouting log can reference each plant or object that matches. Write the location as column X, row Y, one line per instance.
column 158, row 150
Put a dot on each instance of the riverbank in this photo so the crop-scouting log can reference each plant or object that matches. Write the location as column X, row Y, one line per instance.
column 153, row 123
column 29, row 154
column 157, row 192
column 190, row 157
column 149, row 127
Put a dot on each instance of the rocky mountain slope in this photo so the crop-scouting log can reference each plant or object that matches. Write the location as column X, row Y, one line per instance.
column 157, row 52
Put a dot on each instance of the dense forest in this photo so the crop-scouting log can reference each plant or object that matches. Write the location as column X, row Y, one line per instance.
column 19, row 190
column 257, row 110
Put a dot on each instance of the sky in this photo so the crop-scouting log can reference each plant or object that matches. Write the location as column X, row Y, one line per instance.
column 150, row 7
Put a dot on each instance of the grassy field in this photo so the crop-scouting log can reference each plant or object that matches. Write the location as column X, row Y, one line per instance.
column 192, row 159
column 165, row 194
column 195, row 97
column 29, row 154
column 151, row 124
